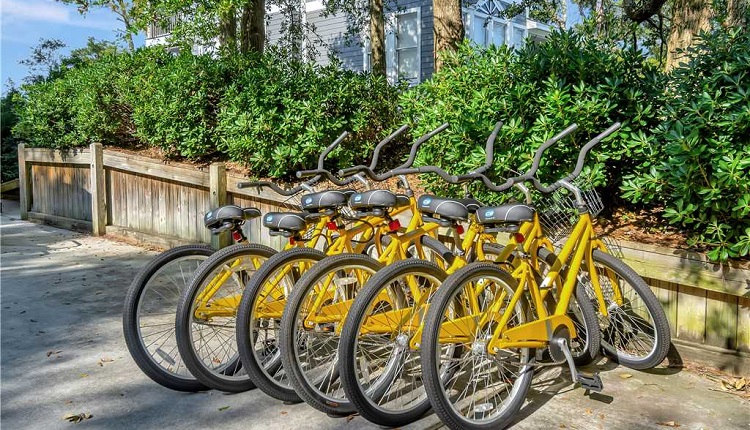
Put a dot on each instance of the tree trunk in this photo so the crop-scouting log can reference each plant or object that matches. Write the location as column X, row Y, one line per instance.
column 252, row 26
column 121, row 9
column 377, row 37
column 738, row 13
column 562, row 18
column 599, row 11
column 689, row 17
column 448, row 27
column 228, row 29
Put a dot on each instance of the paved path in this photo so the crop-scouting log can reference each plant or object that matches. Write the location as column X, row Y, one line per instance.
column 63, row 352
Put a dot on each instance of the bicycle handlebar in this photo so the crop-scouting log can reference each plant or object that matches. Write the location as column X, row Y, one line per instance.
column 579, row 164
column 489, row 149
column 305, row 186
column 548, row 143
column 407, row 164
column 376, row 152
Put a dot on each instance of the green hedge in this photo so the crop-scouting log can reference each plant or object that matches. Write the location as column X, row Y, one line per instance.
column 537, row 92
column 702, row 176
column 269, row 113
column 684, row 146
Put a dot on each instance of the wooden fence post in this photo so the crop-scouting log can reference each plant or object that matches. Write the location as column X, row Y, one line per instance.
column 218, row 197
column 98, row 191
column 24, row 182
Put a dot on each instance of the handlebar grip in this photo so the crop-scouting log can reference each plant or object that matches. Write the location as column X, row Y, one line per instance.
column 308, row 173
column 376, row 153
column 579, row 164
column 489, row 149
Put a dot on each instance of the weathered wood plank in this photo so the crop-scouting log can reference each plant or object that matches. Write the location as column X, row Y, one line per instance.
column 743, row 324
column 691, row 314
column 721, row 320
column 56, row 156
column 217, row 198
column 10, row 185
column 98, row 190
column 62, row 222
column 159, row 240
column 666, row 292
column 149, row 167
column 686, row 268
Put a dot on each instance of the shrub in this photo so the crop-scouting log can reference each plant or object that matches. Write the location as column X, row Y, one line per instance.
column 703, row 182
column 538, row 91
column 174, row 101
column 277, row 116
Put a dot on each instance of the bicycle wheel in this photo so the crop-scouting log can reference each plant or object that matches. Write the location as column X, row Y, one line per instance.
column 468, row 386
column 259, row 316
column 149, row 314
column 206, row 314
column 381, row 373
column 636, row 331
column 309, row 346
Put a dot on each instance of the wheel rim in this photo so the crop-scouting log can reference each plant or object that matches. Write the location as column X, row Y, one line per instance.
column 387, row 369
column 156, row 312
column 628, row 330
column 316, row 347
column 480, row 386
column 213, row 323
column 265, row 332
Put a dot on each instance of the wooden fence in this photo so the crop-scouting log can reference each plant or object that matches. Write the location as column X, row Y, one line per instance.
column 708, row 305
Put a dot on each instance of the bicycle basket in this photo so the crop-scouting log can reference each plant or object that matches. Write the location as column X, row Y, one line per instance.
column 558, row 211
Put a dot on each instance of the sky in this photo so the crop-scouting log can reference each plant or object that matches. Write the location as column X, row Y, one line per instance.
column 24, row 22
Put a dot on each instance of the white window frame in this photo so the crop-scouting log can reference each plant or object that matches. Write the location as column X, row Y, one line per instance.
column 390, row 45
column 472, row 16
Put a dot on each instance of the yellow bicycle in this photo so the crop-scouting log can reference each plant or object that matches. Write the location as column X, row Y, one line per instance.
column 484, row 323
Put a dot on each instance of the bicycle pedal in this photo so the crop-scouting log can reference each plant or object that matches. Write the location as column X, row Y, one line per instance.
column 591, row 382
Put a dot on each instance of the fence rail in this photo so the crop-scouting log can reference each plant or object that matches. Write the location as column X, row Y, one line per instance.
column 113, row 193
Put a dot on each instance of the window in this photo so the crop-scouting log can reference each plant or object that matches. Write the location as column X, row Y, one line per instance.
column 402, row 47
column 485, row 27
column 406, row 47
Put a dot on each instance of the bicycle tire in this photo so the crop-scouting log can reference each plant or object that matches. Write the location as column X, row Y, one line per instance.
column 275, row 385
column 375, row 398
column 159, row 359
column 329, row 397
column 197, row 351
column 627, row 327
column 434, row 371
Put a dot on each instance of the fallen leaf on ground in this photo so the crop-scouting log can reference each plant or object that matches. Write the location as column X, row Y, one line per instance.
column 104, row 360
column 668, row 424
column 284, row 412
column 77, row 418
column 740, row 383
column 589, row 412
column 625, row 375
column 224, row 408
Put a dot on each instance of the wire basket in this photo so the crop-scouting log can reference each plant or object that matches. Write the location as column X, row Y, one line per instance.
column 558, row 211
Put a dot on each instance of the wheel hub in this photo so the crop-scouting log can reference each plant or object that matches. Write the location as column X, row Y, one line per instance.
column 402, row 341
column 479, row 347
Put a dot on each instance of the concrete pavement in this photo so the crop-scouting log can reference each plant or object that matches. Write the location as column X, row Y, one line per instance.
column 62, row 352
